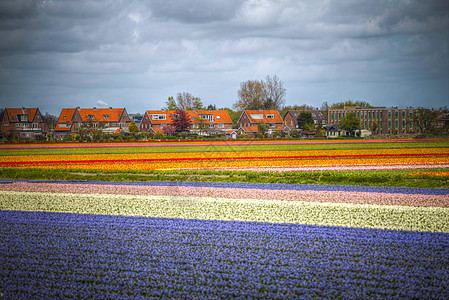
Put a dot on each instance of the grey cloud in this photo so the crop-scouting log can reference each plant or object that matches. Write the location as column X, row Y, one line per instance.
column 196, row 11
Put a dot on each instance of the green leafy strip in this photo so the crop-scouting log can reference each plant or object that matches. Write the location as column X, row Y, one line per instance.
column 366, row 177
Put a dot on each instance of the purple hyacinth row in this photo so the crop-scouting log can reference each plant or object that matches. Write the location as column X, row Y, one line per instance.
column 263, row 186
column 96, row 256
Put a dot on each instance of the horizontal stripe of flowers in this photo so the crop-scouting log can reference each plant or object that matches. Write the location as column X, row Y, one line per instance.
column 70, row 256
column 186, row 165
column 199, row 143
column 341, row 168
column 434, row 219
column 15, row 163
column 418, row 200
column 217, row 154
column 442, row 174
column 261, row 186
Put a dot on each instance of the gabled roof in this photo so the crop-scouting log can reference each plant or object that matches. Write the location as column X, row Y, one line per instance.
column 250, row 128
column 316, row 114
column 257, row 116
column 13, row 113
column 101, row 114
column 157, row 129
column 66, row 117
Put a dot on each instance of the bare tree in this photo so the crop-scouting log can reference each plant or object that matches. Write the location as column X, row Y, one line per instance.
column 251, row 95
column 274, row 92
column 187, row 101
column 255, row 94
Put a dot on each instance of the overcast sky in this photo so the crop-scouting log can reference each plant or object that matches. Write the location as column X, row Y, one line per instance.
column 135, row 54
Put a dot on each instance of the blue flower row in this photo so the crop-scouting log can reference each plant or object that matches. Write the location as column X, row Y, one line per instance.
column 48, row 255
column 267, row 186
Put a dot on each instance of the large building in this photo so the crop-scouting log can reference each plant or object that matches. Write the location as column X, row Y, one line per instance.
column 109, row 120
column 379, row 120
column 203, row 122
column 25, row 123
column 250, row 119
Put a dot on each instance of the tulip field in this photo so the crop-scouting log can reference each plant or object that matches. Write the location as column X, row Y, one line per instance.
column 225, row 219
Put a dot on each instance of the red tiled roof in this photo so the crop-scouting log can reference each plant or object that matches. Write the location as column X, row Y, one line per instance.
column 101, row 114
column 14, row 112
column 223, row 114
column 157, row 129
column 250, row 128
column 65, row 117
column 277, row 118
column 193, row 114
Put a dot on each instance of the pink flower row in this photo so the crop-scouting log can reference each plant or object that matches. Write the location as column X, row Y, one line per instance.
column 338, row 168
column 145, row 144
column 236, row 193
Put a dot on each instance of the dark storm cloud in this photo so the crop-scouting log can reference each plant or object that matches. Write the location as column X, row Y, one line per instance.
column 66, row 53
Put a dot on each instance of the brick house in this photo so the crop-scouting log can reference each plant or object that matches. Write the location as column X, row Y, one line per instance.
column 249, row 120
column 203, row 122
column 379, row 120
column 291, row 118
column 26, row 123
column 111, row 120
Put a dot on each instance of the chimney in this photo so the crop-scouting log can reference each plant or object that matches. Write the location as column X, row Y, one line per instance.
column 95, row 108
column 110, row 107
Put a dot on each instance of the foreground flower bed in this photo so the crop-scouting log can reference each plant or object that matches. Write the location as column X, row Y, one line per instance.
column 56, row 255
column 143, row 237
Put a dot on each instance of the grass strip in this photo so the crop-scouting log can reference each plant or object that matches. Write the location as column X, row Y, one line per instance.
column 360, row 177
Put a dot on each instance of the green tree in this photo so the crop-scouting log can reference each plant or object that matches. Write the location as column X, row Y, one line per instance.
column 342, row 104
column 349, row 123
column 171, row 104
column 305, row 120
column 133, row 127
column 425, row 119
column 262, row 127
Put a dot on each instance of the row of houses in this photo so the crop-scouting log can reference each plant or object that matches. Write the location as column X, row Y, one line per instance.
column 29, row 123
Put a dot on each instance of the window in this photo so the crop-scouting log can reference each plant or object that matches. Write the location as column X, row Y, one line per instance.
column 270, row 116
column 389, row 124
column 396, row 125
column 23, row 118
column 256, row 116
column 218, row 117
column 220, row 125
column 159, row 117
column 389, row 114
column 411, row 125
column 6, row 125
column 207, row 117
column 13, row 118
column 403, row 123
column 106, row 116
column 90, row 116
column 272, row 125
column 403, row 115
column 396, row 114
column 211, row 125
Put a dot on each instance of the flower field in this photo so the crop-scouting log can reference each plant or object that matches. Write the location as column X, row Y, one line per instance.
column 225, row 221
